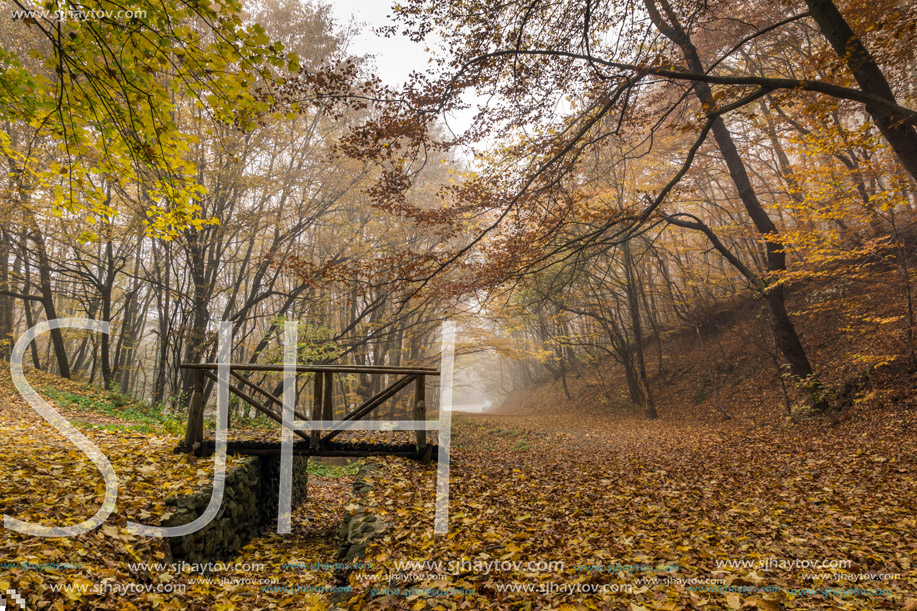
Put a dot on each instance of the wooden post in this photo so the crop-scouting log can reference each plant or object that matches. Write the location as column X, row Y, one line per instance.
column 316, row 407
column 194, row 432
column 327, row 408
column 420, row 412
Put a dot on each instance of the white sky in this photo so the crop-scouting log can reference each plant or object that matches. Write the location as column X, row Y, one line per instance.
column 397, row 56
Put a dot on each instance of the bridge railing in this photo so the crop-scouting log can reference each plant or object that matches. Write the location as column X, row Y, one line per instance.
column 271, row 405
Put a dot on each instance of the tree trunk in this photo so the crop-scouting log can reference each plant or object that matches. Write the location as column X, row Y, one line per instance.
column 633, row 386
column 633, row 306
column 164, row 313
column 787, row 338
column 105, row 339
column 901, row 136
column 47, row 300
column 6, row 301
column 27, row 303
column 195, row 344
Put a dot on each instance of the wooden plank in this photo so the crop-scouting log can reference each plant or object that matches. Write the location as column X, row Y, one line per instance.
column 269, row 395
column 321, row 368
column 316, row 408
column 258, row 406
column 332, row 453
column 301, row 448
column 420, row 411
column 194, row 432
column 371, row 404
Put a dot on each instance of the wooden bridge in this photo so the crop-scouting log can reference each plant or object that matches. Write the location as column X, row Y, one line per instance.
column 315, row 442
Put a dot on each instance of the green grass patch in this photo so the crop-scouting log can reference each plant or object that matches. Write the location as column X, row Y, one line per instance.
column 146, row 419
column 333, row 471
column 139, row 428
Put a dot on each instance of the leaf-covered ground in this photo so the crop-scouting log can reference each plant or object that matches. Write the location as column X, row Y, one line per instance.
column 45, row 479
column 626, row 502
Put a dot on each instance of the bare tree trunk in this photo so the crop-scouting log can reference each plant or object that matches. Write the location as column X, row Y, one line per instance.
column 6, row 300
column 164, row 314
column 195, row 347
column 27, row 303
column 563, row 376
column 47, row 300
column 633, row 303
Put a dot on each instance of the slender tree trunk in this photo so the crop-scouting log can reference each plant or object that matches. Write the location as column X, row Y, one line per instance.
column 105, row 339
column 6, row 301
column 29, row 323
column 83, row 354
column 27, row 304
column 633, row 303
column 47, row 295
column 164, row 315
column 563, row 376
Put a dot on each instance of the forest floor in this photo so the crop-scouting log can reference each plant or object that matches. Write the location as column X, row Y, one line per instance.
column 549, row 510
column 773, row 508
column 556, row 502
column 658, row 515
column 45, row 479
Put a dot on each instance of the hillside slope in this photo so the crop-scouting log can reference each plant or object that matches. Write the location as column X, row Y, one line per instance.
column 855, row 339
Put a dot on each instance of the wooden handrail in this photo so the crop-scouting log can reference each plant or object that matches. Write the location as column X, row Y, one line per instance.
column 269, row 395
column 382, row 369
column 258, row 406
